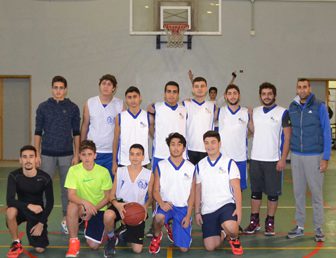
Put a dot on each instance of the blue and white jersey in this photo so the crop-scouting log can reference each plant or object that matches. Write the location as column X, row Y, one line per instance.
column 168, row 119
column 102, row 122
column 133, row 129
column 233, row 129
column 176, row 182
column 200, row 119
column 214, row 177
column 267, row 135
column 136, row 191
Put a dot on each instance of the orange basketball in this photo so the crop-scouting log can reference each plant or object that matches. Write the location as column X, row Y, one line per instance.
column 135, row 214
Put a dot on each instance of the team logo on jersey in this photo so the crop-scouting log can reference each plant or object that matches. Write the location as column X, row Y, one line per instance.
column 273, row 119
column 110, row 120
column 64, row 111
column 208, row 110
column 142, row 124
column 241, row 120
column 186, row 176
column 181, row 115
column 142, row 184
column 221, row 170
column 310, row 112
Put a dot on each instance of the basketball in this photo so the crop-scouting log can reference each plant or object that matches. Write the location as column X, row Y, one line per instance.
column 135, row 214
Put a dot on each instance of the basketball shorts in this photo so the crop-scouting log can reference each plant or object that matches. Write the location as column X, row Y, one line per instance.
column 105, row 160
column 195, row 156
column 181, row 235
column 94, row 228
column 25, row 215
column 243, row 174
column 133, row 234
column 265, row 178
column 212, row 221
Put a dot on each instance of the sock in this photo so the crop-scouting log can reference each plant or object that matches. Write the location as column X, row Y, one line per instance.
column 110, row 234
column 17, row 240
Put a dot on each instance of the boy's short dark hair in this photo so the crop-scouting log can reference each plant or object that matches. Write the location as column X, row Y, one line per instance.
column 267, row 85
column 28, row 147
column 59, row 78
column 109, row 77
column 172, row 83
column 211, row 134
column 138, row 146
column 87, row 144
column 199, row 79
column 132, row 89
column 213, row 89
column 178, row 136
column 232, row 86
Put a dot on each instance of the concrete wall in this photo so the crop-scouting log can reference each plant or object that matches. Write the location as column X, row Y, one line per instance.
column 84, row 39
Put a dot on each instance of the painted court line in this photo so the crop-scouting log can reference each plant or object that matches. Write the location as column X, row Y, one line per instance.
column 330, row 248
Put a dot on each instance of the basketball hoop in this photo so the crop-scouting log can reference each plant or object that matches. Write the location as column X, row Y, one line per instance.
column 175, row 34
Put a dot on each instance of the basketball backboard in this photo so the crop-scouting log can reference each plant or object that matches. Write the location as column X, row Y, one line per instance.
column 147, row 17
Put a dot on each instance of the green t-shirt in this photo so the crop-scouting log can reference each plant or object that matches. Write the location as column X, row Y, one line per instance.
column 89, row 185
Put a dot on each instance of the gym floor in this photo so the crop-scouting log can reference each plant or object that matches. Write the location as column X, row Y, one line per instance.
column 254, row 246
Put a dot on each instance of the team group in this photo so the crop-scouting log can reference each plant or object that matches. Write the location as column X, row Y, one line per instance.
column 199, row 163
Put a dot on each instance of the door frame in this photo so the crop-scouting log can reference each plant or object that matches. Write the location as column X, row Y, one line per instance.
column 2, row 78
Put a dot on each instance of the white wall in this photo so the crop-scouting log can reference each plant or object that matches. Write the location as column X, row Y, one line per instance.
column 83, row 40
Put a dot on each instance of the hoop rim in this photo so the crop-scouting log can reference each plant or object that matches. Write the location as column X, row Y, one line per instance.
column 176, row 27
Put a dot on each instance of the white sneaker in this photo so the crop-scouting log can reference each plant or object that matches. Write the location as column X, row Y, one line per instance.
column 64, row 227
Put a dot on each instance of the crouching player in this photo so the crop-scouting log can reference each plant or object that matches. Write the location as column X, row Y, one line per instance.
column 218, row 189
column 132, row 183
column 174, row 186
column 89, row 186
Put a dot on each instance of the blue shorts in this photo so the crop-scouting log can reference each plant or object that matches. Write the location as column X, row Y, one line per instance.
column 212, row 222
column 181, row 235
column 243, row 174
column 94, row 228
column 155, row 163
column 105, row 160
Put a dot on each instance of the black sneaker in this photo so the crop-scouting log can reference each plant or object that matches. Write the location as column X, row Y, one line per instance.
column 150, row 232
column 109, row 248
column 253, row 227
column 319, row 235
column 120, row 232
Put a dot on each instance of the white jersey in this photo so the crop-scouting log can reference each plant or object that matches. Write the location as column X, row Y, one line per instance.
column 168, row 120
column 176, row 182
column 267, row 134
column 133, row 129
column 136, row 191
column 200, row 118
column 232, row 127
column 101, row 127
column 214, row 177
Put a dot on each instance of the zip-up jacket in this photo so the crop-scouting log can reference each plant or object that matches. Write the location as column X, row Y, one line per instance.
column 311, row 133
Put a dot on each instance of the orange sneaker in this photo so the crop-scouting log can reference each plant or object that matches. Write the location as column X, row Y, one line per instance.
column 15, row 250
column 74, row 246
column 236, row 247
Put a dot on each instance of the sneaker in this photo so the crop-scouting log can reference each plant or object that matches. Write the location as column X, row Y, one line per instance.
column 64, row 227
column 15, row 250
column 319, row 235
column 120, row 232
column 253, row 227
column 74, row 246
column 109, row 248
column 295, row 232
column 269, row 227
column 150, row 232
column 169, row 232
column 236, row 247
column 154, row 246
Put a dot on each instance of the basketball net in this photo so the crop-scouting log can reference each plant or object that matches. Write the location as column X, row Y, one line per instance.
column 175, row 34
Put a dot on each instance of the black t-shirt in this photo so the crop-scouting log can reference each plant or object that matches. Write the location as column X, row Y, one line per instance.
column 23, row 190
